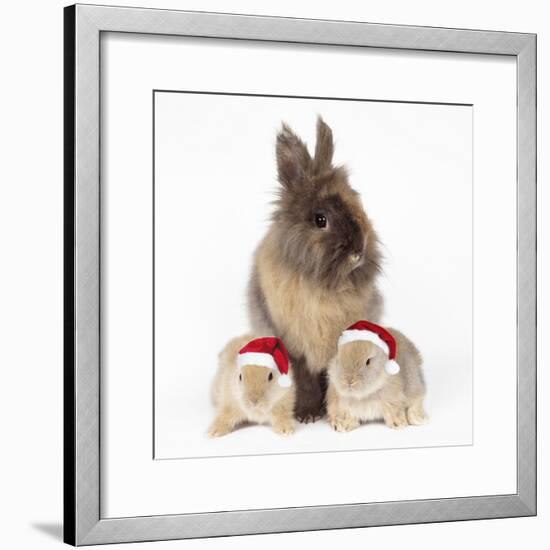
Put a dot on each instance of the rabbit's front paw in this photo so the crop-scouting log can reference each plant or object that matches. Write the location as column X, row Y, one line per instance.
column 396, row 419
column 219, row 427
column 308, row 418
column 310, row 405
column 283, row 427
column 311, row 413
column 416, row 414
column 343, row 423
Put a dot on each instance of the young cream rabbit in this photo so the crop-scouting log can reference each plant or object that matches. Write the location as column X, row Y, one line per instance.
column 376, row 374
column 253, row 384
column 315, row 270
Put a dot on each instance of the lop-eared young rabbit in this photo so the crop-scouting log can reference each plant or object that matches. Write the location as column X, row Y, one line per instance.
column 375, row 375
column 246, row 391
column 314, row 272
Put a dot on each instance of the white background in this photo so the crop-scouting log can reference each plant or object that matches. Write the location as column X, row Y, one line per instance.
column 31, row 289
column 412, row 164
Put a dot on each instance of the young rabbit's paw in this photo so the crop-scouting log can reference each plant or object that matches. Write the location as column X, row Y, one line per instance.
column 343, row 423
column 219, row 428
column 396, row 419
column 416, row 418
column 283, row 428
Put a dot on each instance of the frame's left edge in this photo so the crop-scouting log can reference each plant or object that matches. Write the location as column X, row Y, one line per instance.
column 82, row 185
column 69, row 440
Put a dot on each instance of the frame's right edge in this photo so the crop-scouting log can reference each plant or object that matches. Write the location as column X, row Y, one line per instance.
column 527, row 273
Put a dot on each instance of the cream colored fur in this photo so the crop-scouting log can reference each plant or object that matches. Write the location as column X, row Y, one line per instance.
column 254, row 398
column 310, row 317
column 360, row 392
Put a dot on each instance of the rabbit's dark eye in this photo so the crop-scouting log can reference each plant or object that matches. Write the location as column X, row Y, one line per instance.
column 241, row 377
column 270, row 377
column 368, row 362
column 320, row 220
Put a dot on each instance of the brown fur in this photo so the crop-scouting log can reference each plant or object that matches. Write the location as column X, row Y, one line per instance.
column 252, row 397
column 308, row 284
column 359, row 392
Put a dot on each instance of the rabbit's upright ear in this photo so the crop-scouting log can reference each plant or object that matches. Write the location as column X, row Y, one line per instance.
column 293, row 160
column 324, row 148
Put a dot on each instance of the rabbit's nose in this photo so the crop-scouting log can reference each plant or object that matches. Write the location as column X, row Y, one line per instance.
column 354, row 258
column 254, row 399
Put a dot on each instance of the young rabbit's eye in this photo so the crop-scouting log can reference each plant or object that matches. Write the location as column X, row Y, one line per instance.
column 368, row 362
column 320, row 220
column 241, row 377
column 270, row 377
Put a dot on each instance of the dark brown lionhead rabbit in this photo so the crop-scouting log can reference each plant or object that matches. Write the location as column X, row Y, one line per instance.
column 314, row 272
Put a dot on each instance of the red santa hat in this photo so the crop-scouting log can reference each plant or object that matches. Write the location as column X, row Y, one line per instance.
column 379, row 336
column 268, row 352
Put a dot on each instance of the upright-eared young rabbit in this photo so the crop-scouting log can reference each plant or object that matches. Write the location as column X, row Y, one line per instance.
column 315, row 270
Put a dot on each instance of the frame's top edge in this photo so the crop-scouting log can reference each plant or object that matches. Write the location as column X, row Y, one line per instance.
column 518, row 34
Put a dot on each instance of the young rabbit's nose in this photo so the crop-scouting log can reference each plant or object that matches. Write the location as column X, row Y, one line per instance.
column 254, row 399
column 354, row 258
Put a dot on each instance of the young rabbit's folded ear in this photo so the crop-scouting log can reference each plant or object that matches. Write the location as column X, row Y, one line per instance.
column 293, row 160
column 324, row 148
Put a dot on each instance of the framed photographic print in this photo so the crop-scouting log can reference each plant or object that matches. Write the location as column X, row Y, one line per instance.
column 299, row 274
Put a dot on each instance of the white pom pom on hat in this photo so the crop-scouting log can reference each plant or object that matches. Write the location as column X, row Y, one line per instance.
column 392, row 367
column 379, row 336
column 284, row 381
column 269, row 352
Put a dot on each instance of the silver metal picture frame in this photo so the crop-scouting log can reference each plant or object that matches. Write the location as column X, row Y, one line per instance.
column 83, row 524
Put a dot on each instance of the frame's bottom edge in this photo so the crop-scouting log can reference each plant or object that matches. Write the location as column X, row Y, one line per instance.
column 316, row 518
